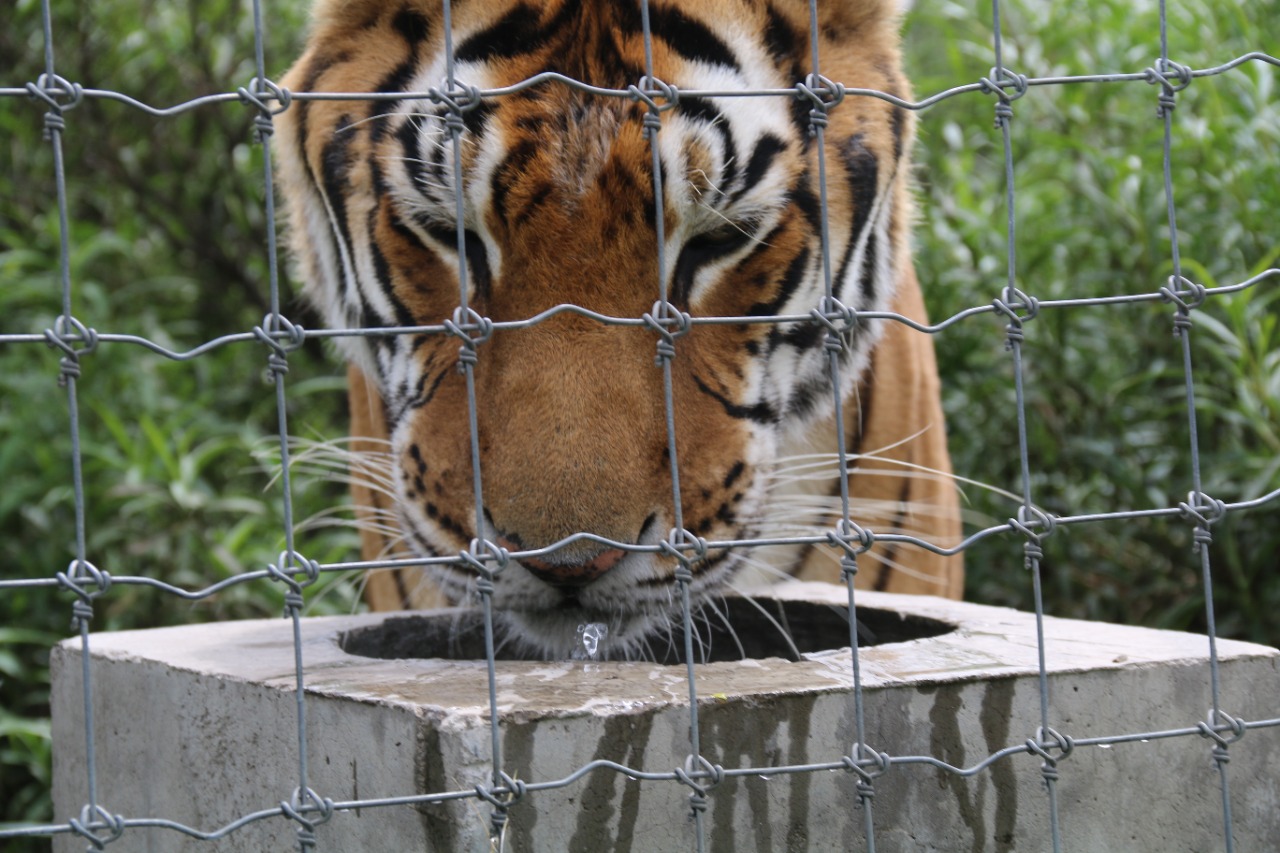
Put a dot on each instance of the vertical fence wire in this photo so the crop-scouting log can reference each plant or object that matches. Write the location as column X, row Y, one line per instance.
column 698, row 774
column 839, row 321
column 484, row 557
column 308, row 809
column 1172, row 77
column 82, row 576
column 305, row 807
column 1011, row 302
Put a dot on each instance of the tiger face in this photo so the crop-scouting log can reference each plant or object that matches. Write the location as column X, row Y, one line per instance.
column 553, row 190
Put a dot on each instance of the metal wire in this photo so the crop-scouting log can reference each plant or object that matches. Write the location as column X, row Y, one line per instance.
column 98, row 826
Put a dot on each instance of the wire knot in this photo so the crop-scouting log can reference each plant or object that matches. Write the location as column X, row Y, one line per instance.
column 53, row 123
column 280, row 334
column 296, row 807
column 258, row 94
column 59, row 337
column 78, row 577
column 91, row 819
column 677, row 543
column 1044, row 741
column 68, row 369
column 867, row 763
column 650, row 89
column 661, row 316
column 277, row 365
column 840, row 320
column 479, row 557
column 1040, row 525
column 846, row 533
column 501, row 799
column 281, row 337
column 454, row 123
column 47, row 88
column 293, row 603
column 694, row 779
column 286, row 569
column 998, row 82
column 1217, row 721
column 81, row 614
column 823, row 96
column 1187, row 295
column 472, row 329
column 1172, row 77
column 263, row 126
column 502, row 796
column 652, row 123
column 1204, row 511
column 457, row 97
column 1010, row 304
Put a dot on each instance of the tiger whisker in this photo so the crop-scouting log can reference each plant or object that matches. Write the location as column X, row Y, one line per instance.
column 782, row 631
column 822, row 466
column 385, row 117
column 745, row 560
column 701, row 643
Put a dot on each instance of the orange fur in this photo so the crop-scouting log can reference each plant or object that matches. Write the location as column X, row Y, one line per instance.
column 571, row 422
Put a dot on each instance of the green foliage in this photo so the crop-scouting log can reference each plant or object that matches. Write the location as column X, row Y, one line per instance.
column 167, row 243
column 1107, row 422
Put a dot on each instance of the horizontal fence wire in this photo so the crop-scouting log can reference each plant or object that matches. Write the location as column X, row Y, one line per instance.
column 75, row 340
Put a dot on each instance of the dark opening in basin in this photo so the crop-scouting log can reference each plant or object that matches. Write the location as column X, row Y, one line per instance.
column 761, row 628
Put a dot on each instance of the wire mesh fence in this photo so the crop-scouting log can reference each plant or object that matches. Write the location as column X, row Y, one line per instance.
column 74, row 338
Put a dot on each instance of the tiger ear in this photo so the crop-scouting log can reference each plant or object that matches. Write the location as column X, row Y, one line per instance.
column 839, row 18
column 840, row 22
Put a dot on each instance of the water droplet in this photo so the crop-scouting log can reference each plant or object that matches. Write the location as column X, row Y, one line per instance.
column 590, row 636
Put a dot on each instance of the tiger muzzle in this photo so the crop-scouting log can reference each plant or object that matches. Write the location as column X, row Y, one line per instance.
column 567, row 575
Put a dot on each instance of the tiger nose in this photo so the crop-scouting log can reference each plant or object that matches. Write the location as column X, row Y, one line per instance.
column 567, row 574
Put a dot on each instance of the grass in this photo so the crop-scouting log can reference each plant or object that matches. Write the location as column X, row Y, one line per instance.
column 167, row 243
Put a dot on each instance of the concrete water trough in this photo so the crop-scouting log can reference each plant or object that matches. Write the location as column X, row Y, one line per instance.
column 198, row 725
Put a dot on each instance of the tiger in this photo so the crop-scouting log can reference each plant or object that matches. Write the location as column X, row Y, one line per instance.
column 559, row 207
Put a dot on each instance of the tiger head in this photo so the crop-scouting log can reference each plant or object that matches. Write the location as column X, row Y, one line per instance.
column 548, row 199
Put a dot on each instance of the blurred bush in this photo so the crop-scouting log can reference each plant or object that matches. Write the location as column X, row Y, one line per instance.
column 167, row 242
column 1106, row 407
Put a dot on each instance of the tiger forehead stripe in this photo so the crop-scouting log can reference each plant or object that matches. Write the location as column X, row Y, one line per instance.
column 523, row 30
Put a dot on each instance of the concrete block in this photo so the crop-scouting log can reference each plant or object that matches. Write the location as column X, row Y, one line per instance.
column 197, row 725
